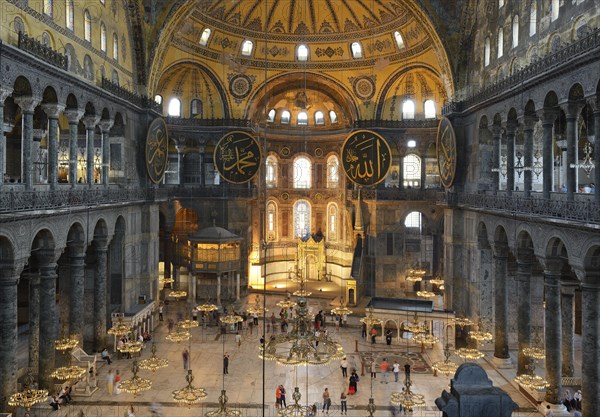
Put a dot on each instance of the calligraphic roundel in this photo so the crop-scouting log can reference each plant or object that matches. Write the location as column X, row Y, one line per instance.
column 157, row 149
column 366, row 157
column 237, row 157
column 446, row 152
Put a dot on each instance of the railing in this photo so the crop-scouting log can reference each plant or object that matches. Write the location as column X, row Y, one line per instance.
column 125, row 94
column 396, row 124
column 42, row 51
column 586, row 211
column 225, row 191
column 396, row 194
column 226, row 122
column 543, row 65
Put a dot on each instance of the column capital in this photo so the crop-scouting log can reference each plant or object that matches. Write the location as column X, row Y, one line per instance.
column 524, row 256
column 10, row 270
column 496, row 129
column 53, row 110
column 511, row 126
column 594, row 103
column 500, row 250
column 529, row 121
column 548, row 116
column 91, row 122
column 73, row 115
column 101, row 243
column 27, row 103
column 5, row 92
column 568, row 288
column 572, row 109
column 552, row 266
column 106, row 125
column 47, row 256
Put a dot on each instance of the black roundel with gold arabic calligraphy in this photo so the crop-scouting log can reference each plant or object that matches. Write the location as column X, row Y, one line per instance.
column 366, row 157
column 157, row 149
column 237, row 157
column 446, row 152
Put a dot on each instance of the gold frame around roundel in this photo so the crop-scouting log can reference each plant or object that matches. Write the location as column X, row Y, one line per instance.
column 253, row 157
column 157, row 149
column 446, row 152
column 350, row 154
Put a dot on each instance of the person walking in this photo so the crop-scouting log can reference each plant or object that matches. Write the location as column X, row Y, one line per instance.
column 388, row 337
column 117, row 383
column 238, row 339
column 186, row 359
column 396, row 370
column 353, row 385
column 373, row 335
column 373, row 369
column 282, row 390
column 195, row 314
column 326, row 401
column 384, row 366
column 170, row 325
column 278, row 397
column 110, row 382
column 226, row 363
column 343, row 402
column 344, row 366
column 160, row 312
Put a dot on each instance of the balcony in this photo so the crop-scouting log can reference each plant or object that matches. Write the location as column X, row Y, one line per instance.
column 396, row 194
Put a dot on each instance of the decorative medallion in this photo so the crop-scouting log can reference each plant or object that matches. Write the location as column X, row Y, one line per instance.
column 285, row 196
column 318, row 196
column 240, row 85
column 285, row 151
column 366, row 157
column 446, row 152
column 157, row 144
column 237, row 157
column 318, row 152
column 364, row 87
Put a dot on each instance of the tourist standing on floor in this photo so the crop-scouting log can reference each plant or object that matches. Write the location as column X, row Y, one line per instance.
column 282, row 390
column 344, row 366
column 278, row 397
column 117, row 382
column 388, row 337
column 195, row 314
column 110, row 381
column 396, row 369
column 160, row 312
column 373, row 369
column 384, row 366
column 353, row 385
column 373, row 334
column 326, row 401
column 577, row 397
column 226, row 363
column 343, row 402
column 238, row 339
column 185, row 355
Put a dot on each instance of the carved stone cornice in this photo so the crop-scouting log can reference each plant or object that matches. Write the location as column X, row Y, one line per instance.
column 27, row 103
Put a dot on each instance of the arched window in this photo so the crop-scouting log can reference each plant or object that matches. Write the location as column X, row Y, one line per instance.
column 46, row 41
column 115, row 77
column 332, row 222
column 555, row 9
column 413, row 220
column 271, row 221
column 302, row 118
column 48, row 7
column 115, row 47
column 356, row 50
column 174, row 107
column 247, row 47
column 271, row 116
column 158, row 99
column 333, row 171
column 69, row 13
column 87, row 26
column 412, row 170
column 333, row 116
column 399, row 40
column 486, row 52
column 102, row 37
column 205, row 37
column 500, row 43
column 88, row 68
column 301, row 219
column 515, row 31
column 408, row 109
column 429, row 108
column 196, row 107
column 533, row 19
column 285, row 117
column 271, row 171
column 302, row 171
column 319, row 118
column 302, row 53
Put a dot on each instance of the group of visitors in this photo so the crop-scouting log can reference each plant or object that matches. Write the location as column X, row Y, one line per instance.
column 112, row 382
column 280, row 397
column 62, row 398
column 572, row 402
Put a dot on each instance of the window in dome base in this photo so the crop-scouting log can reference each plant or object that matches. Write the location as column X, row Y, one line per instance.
column 205, row 37
column 247, row 47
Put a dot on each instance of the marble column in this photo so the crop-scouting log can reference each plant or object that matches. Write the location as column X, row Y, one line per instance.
column 34, row 318
column 73, row 116
column 553, row 325
column 595, row 105
column 5, row 92
column 496, row 152
column 48, row 329
column 547, row 116
column 53, row 111
column 202, row 166
column 237, row 286
column 571, row 112
column 180, row 170
column 90, row 123
column 511, row 129
column 501, row 302
column 9, row 278
column 590, row 343
column 167, row 253
column 524, row 266
column 423, row 173
column 105, row 126
column 568, row 328
column 529, row 122
column 100, row 285
column 27, row 105
column 77, row 291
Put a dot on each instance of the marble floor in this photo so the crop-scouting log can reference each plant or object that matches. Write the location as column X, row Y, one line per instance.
column 245, row 381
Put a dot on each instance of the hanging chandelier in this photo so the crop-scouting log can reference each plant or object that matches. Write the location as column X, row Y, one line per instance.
column 426, row 338
column 415, row 326
column 67, row 373
column 462, row 321
column 178, row 294
column 256, row 308
column 190, row 394
column 130, row 346
column 407, row 399
column 536, row 350
column 530, row 379
column 445, row 367
column 371, row 407
column 302, row 293
column 223, row 410
column 426, row 294
column 415, row 274
column 29, row 396
column 120, row 329
column 231, row 318
column 66, row 344
column 342, row 309
column 136, row 384
column 187, row 324
column 480, row 335
column 179, row 335
column 370, row 320
column 154, row 363
column 438, row 280
column 470, row 354
column 168, row 280
column 295, row 410
column 300, row 346
column 207, row 307
column 287, row 303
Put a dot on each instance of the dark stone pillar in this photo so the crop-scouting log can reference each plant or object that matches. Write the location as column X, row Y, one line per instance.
column 496, row 152
column 401, row 174
column 73, row 116
column 202, row 168
column 105, row 126
column 595, row 105
column 5, row 92
column 524, row 264
column 167, row 253
column 77, row 291
column 528, row 125
column 52, row 111
column 548, row 116
column 34, row 318
column 49, row 318
column 501, row 301
column 590, row 386
column 180, row 170
column 27, row 105
column 511, row 128
column 423, row 173
column 571, row 113
column 553, row 324
column 9, row 278
column 90, row 123
column 100, row 271
column 568, row 329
